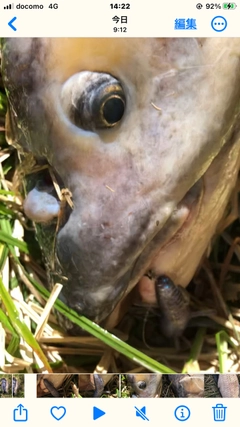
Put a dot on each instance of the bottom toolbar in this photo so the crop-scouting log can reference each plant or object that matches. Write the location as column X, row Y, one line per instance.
column 152, row 411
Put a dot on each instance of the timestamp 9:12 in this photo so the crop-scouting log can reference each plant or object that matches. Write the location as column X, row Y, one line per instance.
column 120, row 29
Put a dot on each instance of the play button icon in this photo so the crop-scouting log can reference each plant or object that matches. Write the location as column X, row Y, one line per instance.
column 97, row 413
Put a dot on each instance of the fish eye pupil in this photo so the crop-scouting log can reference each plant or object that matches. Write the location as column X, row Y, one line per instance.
column 113, row 109
column 142, row 385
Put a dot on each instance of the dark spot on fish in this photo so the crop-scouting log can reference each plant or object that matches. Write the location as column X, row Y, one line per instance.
column 106, row 224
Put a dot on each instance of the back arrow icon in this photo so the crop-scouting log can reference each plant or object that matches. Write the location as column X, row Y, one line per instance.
column 10, row 23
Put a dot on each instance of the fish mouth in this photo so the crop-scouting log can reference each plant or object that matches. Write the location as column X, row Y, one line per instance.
column 83, row 290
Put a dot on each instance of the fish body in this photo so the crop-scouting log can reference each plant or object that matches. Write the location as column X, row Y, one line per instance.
column 145, row 136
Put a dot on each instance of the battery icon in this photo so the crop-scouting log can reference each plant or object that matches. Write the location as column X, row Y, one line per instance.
column 229, row 5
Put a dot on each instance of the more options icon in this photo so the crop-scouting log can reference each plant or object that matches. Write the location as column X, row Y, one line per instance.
column 20, row 414
column 219, row 24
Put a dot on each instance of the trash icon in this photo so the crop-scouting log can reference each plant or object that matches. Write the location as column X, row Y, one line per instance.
column 219, row 412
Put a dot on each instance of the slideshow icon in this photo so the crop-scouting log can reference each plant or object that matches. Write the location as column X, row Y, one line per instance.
column 9, row 6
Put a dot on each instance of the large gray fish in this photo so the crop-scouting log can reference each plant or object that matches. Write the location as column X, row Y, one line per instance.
column 145, row 135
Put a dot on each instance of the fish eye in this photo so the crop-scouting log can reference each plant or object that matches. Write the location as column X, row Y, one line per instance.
column 94, row 100
column 142, row 385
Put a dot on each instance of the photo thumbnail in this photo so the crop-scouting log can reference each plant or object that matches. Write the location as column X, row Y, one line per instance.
column 158, row 385
column 78, row 385
column 222, row 385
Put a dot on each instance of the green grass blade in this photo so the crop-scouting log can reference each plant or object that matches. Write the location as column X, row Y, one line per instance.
column 190, row 365
column 13, row 346
column 7, row 193
column 222, row 341
column 6, row 211
column 222, row 348
column 20, row 327
column 9, row 240
column 6, row 323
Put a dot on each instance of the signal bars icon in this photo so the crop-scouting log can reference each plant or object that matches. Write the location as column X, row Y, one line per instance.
column 9, row 6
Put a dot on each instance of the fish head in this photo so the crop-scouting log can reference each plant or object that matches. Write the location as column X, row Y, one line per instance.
column 130, row 127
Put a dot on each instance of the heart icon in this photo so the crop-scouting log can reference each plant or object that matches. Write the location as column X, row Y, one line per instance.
column 58, row 412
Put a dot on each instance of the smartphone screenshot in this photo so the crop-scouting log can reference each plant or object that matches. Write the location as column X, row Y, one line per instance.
column 119, row 212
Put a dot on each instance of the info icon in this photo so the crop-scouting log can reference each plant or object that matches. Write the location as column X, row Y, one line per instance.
column 182, row 413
